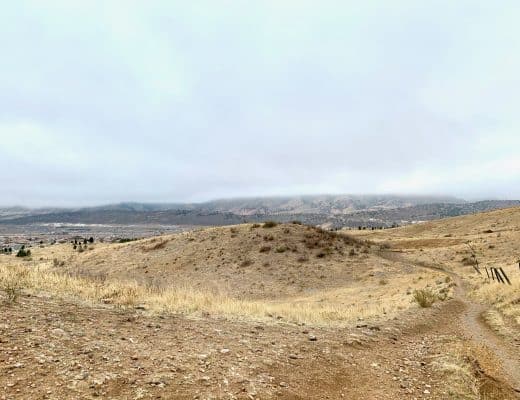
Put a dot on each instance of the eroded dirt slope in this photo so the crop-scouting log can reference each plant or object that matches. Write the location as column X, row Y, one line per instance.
column 57, row 350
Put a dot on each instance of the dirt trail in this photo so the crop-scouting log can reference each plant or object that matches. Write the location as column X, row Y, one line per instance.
column 478, row 331
column 55, row 349
column 475, row 328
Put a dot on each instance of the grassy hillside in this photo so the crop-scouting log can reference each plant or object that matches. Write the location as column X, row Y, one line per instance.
column 491, row 237
column 286, row 271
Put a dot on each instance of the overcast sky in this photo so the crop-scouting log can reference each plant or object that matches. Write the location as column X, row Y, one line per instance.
column 106, row 101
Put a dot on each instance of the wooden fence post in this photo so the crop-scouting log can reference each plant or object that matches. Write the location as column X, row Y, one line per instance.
column 499, row 277
column 505, row 276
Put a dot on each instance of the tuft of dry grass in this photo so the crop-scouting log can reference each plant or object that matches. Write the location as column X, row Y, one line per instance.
column 12, row 283
column 424, row 297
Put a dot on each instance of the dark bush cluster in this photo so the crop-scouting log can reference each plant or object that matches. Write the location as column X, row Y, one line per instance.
column 23, row 252
column 126, row 240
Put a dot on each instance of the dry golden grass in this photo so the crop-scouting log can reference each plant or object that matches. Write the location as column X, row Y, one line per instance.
column 245, row 261
column 492, row 236
column 425, row 297
column 340, row 306
column 235, row 272
column 186, row 300
column 505, row 298
column 457, row 369
column 242, row 261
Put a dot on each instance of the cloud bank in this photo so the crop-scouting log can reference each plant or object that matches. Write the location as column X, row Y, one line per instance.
column 105, row 101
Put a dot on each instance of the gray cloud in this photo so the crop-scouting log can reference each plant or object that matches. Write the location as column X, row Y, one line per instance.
column 169, row 101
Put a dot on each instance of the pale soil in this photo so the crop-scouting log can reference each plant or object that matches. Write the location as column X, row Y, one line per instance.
column 57, row 350
column 52, row 348
column 504, row 350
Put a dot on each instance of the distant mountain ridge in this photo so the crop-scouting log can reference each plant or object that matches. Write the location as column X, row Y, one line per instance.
column 320, row 204
column 332, row 210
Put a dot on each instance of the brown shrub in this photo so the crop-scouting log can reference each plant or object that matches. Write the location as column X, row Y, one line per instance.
column 265, row 249
column 424, row 297
column 246, row 263
column 469, row 261
column 156, row 246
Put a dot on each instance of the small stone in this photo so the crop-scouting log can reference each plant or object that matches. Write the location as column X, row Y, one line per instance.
column 58, row 332
column 82, row 375
column 312, row 338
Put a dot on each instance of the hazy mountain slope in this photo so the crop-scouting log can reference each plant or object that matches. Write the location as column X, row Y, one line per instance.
column 334, row 211
column 323, row 204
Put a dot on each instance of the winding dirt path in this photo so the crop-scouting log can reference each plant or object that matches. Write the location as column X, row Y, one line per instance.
column 54, row 349
column 474, row 328
column 478, row 331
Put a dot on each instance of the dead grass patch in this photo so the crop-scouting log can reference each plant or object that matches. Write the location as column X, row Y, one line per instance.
column 324, row 310
column 157, row 246
column 457, row 368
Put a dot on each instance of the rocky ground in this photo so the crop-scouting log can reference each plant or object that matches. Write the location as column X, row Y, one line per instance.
column 51, row 348
column 57, row 350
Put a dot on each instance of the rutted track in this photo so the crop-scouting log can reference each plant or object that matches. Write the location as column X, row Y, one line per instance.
column 474, row 328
